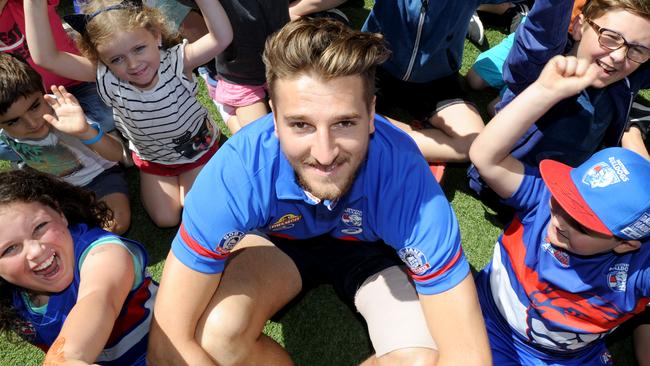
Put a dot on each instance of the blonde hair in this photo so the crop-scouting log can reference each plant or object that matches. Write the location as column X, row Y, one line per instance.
column 127, row 18
column 326, row 47
column 594, row 9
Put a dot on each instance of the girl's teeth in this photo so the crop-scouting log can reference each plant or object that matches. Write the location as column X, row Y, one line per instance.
column 45, row 264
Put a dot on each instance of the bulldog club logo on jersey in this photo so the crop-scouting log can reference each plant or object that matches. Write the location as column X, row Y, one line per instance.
column 285, row 222
column 229, row 241
column 603, row 174
column 559, row 255
column 617, row 277
column 353, row 219
column 414, row 259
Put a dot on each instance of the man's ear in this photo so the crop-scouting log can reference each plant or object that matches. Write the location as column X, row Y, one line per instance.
column 627, row 246
column 275, row 123
column 577, row 27
column 372, row 114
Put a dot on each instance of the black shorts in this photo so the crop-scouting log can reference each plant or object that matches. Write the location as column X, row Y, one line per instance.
column 344, row 264
column 421, row 100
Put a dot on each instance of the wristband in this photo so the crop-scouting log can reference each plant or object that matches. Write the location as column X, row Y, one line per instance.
column 98, row 137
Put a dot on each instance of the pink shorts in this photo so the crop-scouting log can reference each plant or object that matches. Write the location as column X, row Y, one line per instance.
column 237, row 95
column 172, row 170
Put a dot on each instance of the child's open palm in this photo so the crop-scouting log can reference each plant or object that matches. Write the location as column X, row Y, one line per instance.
column 68, row 115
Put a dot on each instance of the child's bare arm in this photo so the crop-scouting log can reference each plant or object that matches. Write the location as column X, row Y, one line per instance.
column 69, row 118
column 210, row 45
column 107, row 276
column 490, row 152
column 43, row 49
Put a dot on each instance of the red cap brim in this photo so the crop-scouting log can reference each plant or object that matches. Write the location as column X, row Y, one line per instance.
column 558, row 180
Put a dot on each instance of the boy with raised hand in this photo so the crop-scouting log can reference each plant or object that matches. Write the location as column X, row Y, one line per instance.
column 572, row 264
column 50, row 134
column 614, row 35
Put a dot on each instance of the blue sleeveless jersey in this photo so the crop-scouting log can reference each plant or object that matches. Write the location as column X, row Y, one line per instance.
column 127, row 344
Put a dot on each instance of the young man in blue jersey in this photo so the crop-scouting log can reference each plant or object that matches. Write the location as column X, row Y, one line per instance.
column 320, row 191
column 573, row 263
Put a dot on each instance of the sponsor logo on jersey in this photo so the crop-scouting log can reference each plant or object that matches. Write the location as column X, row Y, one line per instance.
column 602, row 175
column 229, row 241
column 285, row 222
column 414, row 259
column 617, row 277
column 352, row 218
column 559, row 254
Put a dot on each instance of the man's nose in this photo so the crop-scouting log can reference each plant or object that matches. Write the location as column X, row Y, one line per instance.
column 325, row 149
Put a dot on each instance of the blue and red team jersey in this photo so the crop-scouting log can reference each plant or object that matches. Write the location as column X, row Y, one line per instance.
column 250, row 185
column 127, row 343
column 551, row 304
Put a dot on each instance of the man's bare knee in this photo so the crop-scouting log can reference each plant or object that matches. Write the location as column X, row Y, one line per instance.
column 227, row 335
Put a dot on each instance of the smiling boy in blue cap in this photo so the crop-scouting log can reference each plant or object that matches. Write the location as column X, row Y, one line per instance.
column 572, row 265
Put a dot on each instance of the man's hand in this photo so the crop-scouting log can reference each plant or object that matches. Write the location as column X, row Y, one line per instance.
column 69, row 117
column 564, row 76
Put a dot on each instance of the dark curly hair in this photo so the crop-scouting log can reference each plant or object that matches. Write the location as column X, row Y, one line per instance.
column 77, row 204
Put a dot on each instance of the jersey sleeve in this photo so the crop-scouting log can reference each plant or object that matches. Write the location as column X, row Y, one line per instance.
column 528, row 195
column 417, row 220
column 219, row 209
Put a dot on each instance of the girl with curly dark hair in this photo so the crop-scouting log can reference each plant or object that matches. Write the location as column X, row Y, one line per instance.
column 78, row 292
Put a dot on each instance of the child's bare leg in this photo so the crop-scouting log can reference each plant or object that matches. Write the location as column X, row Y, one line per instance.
column 250, row 113
column 233, row 124
column 186, row 180
column 633, row 140
column 300, row 8
column 475, row 81
column 119, row 204
column 245, row 115
column 455, row 127
column 161, row 199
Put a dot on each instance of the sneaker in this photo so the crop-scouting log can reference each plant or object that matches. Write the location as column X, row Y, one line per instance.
column 517, row 13
column 475, row 31
column 333, row 13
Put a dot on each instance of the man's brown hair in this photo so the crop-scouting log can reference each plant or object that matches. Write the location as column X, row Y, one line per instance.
column 325, row 47
column 17, row 79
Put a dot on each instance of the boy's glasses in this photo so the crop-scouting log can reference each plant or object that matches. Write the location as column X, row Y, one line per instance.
column 614, row 40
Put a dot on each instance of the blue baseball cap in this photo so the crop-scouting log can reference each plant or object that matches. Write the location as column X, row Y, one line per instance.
column 609, row 193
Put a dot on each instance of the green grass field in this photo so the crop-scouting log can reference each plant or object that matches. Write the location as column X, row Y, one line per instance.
column 320, row 330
